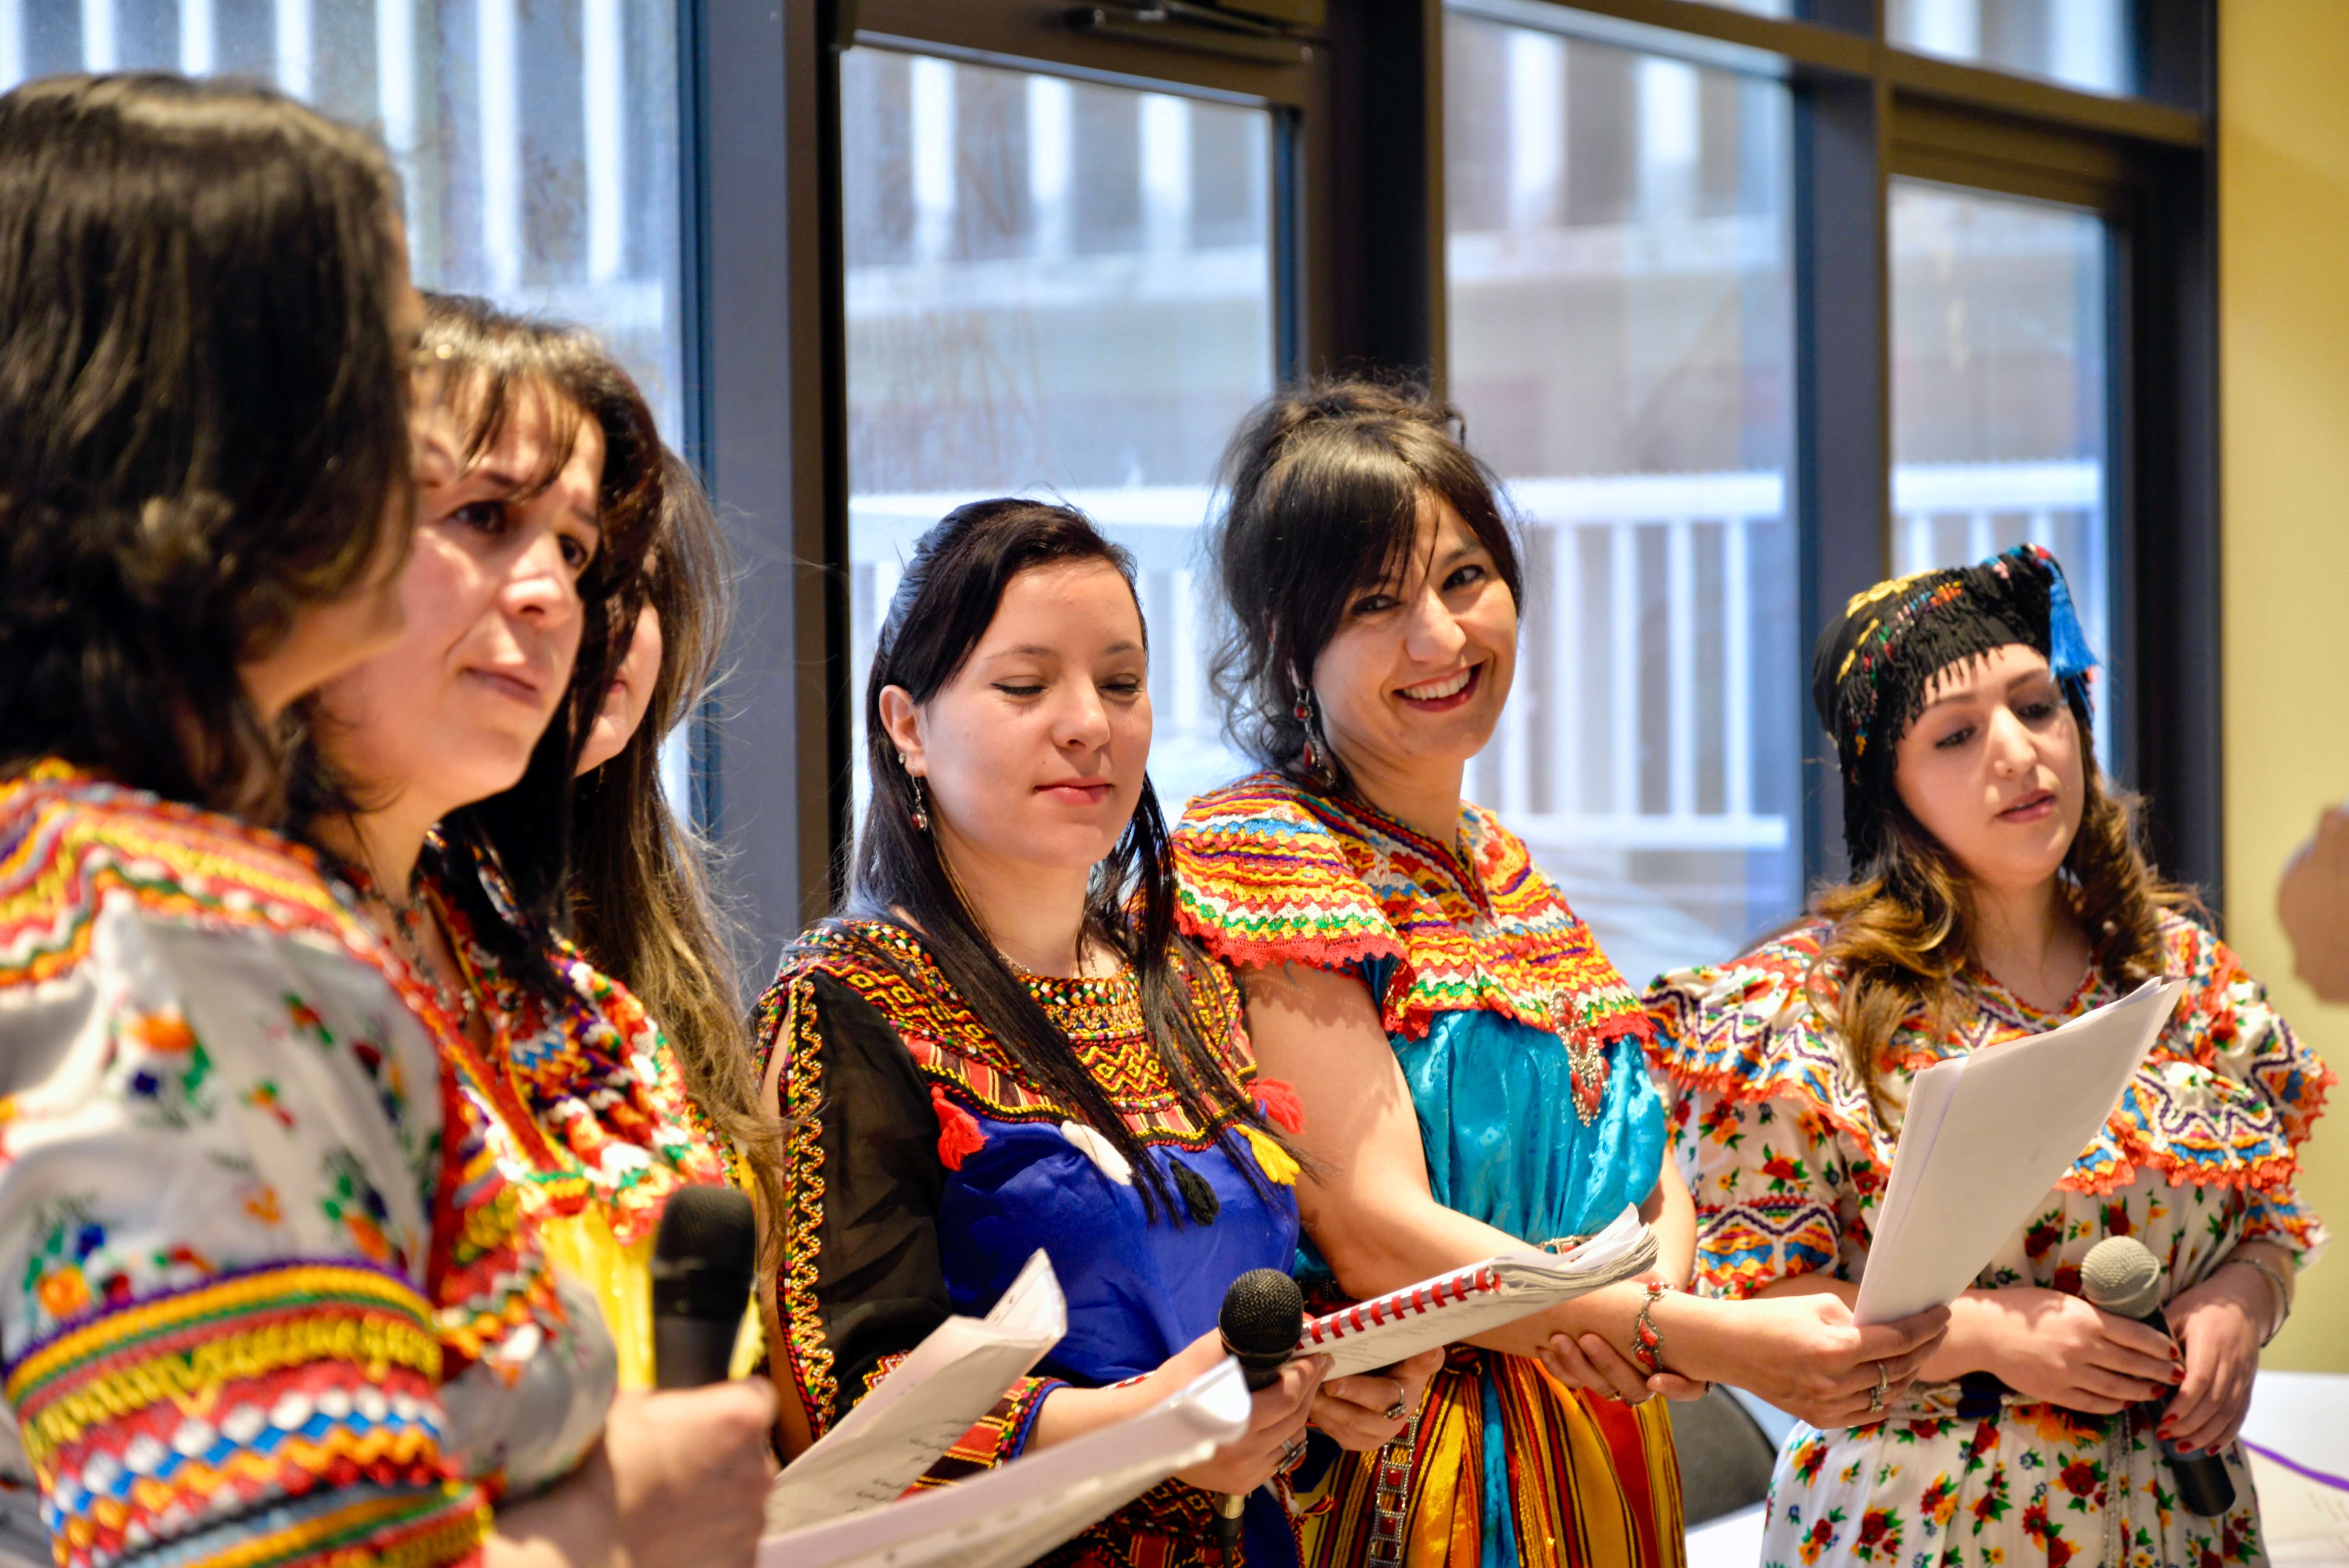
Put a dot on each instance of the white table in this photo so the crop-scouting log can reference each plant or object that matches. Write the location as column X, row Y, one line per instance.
column 2302, row 1416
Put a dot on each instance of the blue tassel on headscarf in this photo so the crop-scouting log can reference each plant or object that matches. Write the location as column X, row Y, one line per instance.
column 2068, row 654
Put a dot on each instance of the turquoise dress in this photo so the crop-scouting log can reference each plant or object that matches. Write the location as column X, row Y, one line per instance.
column 1524, row 1055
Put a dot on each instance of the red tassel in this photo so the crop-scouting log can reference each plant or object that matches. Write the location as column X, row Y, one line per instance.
column 959, row 1134
column 1280, row 1105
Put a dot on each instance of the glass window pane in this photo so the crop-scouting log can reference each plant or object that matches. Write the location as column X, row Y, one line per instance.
column 1621, row 346
column 1054, row 288
column 538, row 139
column 1999, row 391
column 2079, row 43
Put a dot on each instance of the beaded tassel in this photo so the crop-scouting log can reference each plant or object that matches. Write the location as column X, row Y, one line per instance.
column 1274, row 1161
column 1197, row 1196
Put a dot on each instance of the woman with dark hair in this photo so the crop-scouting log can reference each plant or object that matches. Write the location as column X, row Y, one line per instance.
column 1469, row 1065
column 1003, row 1047
column 451, row 757
column 640, row 903
column 219, row 1115
column 1997, row 889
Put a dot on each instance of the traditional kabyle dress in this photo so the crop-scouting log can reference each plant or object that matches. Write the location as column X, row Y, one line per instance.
column 1788, row 1160
column 584, row 1122
column 925, row 1169
column 1523, row 1051
column 219, row 1123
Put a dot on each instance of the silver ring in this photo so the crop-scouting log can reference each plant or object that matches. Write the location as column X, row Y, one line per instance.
column 1883, row 1384
column 1395, row 1412
column 1291, row 1451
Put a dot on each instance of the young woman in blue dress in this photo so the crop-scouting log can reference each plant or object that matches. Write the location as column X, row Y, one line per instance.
column 1002, row 1046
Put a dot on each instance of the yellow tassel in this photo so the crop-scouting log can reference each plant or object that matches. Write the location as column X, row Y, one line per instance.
column 1275, row 1159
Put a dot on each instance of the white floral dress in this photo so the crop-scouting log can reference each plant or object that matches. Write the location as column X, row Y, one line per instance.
column 1788, row 1160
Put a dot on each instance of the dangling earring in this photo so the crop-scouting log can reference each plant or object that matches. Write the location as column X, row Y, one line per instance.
column 921, row 809
column 1315, row 765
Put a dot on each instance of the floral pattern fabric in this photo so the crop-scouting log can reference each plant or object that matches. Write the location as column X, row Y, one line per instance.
column 219, row 1133
column 1787, row 1160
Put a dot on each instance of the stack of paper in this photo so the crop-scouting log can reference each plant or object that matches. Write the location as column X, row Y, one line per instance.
column 1451, row 1307
column 1985, row 1137
column 1017, row 1514
column 926, row 1402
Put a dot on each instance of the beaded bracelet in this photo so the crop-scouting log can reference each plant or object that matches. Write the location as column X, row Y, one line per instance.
column 2268, row 1272
column 1647, row 1339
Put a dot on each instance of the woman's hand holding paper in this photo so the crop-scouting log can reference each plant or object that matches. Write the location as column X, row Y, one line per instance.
column 1355, row 1412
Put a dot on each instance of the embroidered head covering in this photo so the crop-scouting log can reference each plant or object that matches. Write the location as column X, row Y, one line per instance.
column 1869, row 673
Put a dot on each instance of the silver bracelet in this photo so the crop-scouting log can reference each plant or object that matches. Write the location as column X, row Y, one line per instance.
column 2282, row 1287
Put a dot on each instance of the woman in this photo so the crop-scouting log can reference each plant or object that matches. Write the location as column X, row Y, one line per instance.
column 1469, row 1063
column 452, row 755
column 1996, row 890
column 1002, row 1046
column 217, row 1116
column 640, row 903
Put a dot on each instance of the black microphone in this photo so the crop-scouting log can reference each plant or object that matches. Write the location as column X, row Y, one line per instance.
column 1262, row 1320
column 2121, row 1276
column 703, row 1258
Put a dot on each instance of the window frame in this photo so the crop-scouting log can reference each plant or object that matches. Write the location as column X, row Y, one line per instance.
column 1358, row 191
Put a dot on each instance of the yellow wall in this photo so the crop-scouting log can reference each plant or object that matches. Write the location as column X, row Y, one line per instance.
column 2283, row 300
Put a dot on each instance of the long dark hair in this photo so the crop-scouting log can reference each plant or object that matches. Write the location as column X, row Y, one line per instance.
column 1324, row 485
column 640, row 900
column 1902, row 926
column 943, row 605
column 203, row 416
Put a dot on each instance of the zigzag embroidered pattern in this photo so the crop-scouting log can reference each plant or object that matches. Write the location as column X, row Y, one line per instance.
column 2209, row 1106
column 79, row 841
column 950, row 1047
column 234, row 1394
column 1270, row 873
column 398, row 1531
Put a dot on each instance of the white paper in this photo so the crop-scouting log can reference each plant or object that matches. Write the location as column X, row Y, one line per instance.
column 1985, row 1137
column 2303, row 1512
column 1528, row 1281
column 1017, row 1514
column 882, row 1445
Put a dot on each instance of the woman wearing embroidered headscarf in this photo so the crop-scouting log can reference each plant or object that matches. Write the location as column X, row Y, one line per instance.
column 444, row 767
column 1002, row 1046
column 1468, row 1063
column 1996, row 890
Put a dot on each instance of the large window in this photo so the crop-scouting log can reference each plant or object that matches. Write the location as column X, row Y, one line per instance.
column 2000, row 391
column 1061, row 289
column 537, row 139
column 2079, row 43
column 1621, row 343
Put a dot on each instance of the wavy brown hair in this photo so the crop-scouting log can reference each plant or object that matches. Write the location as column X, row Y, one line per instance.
column 641, row 904
column 1902, row 926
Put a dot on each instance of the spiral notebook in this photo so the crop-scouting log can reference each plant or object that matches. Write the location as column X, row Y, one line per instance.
column 1451, row 1307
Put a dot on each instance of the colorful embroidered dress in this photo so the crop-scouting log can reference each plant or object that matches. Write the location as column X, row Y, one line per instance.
column 585, row 1113
column 1788, row 1160
column 1522, row 1048
column 926, row 1169
column 220, row 1135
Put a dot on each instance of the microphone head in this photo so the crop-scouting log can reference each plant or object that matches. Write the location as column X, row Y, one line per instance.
column 1263, row 1318
column 2120, row 1275
column 705, row 1252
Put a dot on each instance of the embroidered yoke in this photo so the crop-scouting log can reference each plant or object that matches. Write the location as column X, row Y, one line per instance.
column 220, row 1129
column 1788, row 1160
column 1523, row 1051
column 585, row 1113
column 925, row 1168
